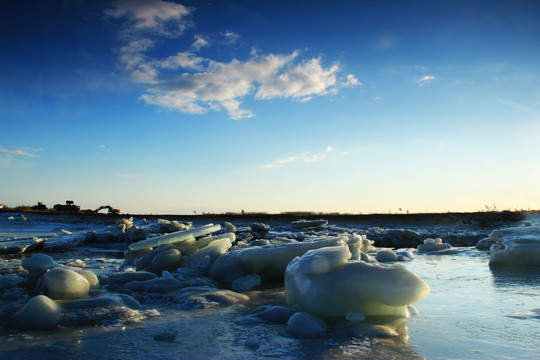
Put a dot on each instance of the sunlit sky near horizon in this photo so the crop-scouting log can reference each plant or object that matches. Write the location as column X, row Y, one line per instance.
column 333, row 106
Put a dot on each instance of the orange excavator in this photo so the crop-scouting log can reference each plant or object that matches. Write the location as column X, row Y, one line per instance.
column 110, row 209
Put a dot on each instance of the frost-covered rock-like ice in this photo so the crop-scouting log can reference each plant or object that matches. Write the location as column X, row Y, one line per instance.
column 484, row 244
column 269, row 261
column 517, row 246
column 303, row 325
column 433, row 245
column 386, row 255
column 66, row 284
column 165, row 260
column 322, row 282
column 203, row 259
column 39, row 313
column 38, row 264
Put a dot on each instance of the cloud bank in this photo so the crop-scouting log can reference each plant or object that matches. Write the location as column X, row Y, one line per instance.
column 188, row 83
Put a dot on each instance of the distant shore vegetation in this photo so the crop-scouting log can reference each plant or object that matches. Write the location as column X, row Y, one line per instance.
column 516, row 214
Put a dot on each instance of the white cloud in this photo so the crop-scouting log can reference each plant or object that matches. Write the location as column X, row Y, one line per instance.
column 305, row 158
column 351, row 81
column 102, row 146
column 184, row 60
column 425, row 80
column 200, row 42
column 154, row 16
column 22, row 151
column 188, row 83
column 308, row 78
column 297, row 158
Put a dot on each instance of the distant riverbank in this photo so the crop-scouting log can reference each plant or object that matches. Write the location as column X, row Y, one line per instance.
column 482, row 219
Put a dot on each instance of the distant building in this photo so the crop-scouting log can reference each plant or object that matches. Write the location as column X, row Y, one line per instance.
column 68, row 207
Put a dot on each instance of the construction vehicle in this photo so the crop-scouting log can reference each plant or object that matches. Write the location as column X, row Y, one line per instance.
column 110, row 210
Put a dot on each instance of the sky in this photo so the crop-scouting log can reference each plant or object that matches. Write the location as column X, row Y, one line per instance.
column 175, row 107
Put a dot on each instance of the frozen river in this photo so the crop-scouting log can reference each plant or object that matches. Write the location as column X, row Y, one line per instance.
column 472, row 312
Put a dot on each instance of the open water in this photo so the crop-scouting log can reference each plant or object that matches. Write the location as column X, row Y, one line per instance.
column 472, row 312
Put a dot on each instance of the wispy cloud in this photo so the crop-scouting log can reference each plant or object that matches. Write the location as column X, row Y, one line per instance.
column 21, row 151
column 191, row 84
column 231, row 36
column 304, row 158
column 425, row 80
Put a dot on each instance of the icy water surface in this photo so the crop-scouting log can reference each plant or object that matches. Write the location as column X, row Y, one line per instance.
column 472, row 312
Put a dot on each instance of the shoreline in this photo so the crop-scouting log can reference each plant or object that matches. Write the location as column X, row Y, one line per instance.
column 483, row 219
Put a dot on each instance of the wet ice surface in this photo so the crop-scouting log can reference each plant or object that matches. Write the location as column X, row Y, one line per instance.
column 471, row 312
column 468, row 312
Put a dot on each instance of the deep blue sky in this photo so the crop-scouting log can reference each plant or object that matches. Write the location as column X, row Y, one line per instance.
column 350, row 106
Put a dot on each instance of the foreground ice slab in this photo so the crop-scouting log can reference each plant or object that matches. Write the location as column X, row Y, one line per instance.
column 517, row 246
column 324, row 283
column 269, row 261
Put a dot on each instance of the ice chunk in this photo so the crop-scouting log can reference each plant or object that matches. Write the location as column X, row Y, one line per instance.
column 40, row 313
column 116, row 280
column 169, row 259
column 303, row 325
column 526, row 314
column 386, row 255
column 175, row 237
column 145, row 262
column 38, row 264
column 349, row 285
column 203, row 259
column 246, row 283
column 19, row 246
column 517, row 246
column 67, row 241
column 229, row 226
column 268, row 261
column 484, row 244
column 66, row 284
column 433, row 245
column 167, row 226
column 309, row 224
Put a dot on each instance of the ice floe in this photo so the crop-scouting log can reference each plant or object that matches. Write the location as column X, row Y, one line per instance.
column 323, row 282
column 516, row 246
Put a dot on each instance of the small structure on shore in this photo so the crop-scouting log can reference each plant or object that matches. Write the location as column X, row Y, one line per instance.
column 68, row 207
